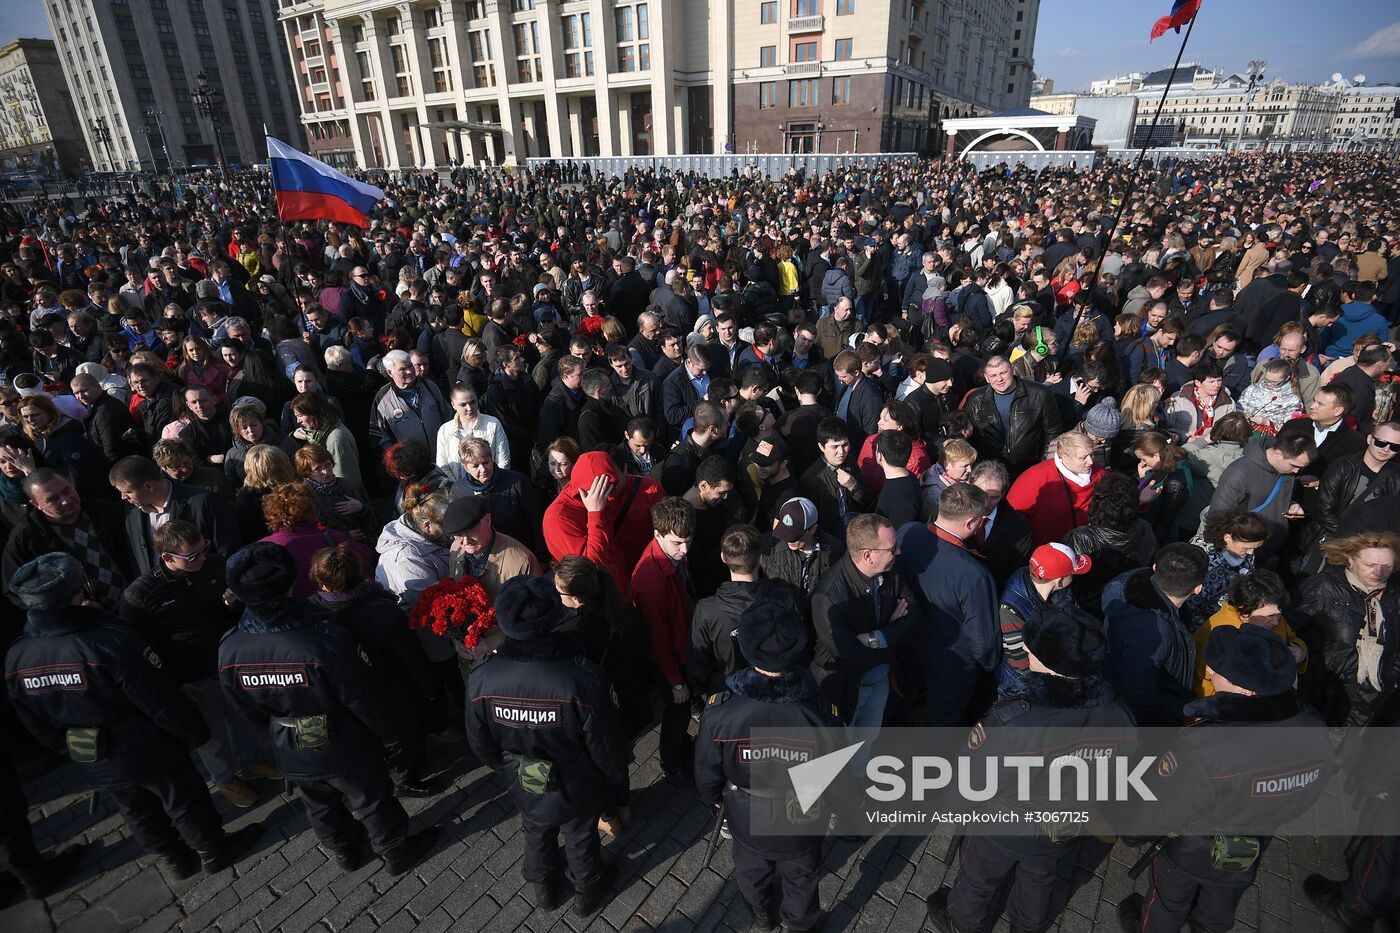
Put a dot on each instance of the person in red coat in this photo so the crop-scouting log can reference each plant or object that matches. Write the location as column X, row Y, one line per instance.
column 895, row 416
column 602, row 515
column 664, row 596
column 1054, row 494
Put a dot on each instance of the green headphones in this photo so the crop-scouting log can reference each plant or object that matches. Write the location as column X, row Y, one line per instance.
column 1041, row 346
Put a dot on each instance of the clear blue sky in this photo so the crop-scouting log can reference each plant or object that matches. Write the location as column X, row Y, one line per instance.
column 1302, row 40
column 1079, row 40
column 23, row 19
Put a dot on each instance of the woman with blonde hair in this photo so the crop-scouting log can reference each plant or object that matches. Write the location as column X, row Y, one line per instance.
column 413, row 548
column 63, row 445
column 955, row 461
column 789, row 276
column 1055, row 493
column 1349, row 615
column 1139, row 411
column 264, row 469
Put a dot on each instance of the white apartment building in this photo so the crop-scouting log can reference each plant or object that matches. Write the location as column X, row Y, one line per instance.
column 443, row 82
column 132, row 68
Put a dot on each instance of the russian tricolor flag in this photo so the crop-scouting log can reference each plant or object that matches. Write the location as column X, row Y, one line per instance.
column 1183, row 11
column 308, row 189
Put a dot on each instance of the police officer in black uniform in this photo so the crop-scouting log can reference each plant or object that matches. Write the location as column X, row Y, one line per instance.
column 37, row 875
column 294, row 673
column 777, row 692
column 546, row 719
column 1061, row 687
column 1219, row 779
column 84, row 683
column 1372, row 886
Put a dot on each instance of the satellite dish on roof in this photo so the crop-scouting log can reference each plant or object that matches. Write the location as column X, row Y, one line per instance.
column 1336, row 77
column 1359, row 79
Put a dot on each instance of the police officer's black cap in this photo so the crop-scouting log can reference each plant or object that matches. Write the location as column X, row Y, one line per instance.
column 48, row 581
column 464, row 514
column 1069, row 643
column 772, row 636
column 528, row 608
column 261, row 572
column 1252, row 657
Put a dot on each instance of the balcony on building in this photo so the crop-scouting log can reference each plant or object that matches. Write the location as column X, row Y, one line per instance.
column 798, row 24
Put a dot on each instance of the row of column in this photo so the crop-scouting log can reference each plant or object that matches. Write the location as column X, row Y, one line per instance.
column 564, row 127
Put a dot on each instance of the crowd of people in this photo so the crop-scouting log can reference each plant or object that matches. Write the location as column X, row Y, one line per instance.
column 897, row 444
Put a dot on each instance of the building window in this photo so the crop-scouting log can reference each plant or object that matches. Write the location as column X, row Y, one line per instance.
column 483, row 70
column 527, row 51
column 357, row 33
column 803, row 93
column 843, row 49
column 164, row 25
column 437, row 59
column 804, row 52
column 366, row 75
column 201, row 28
column 806, row 7
column 841, row 90
column 521, row 6
column 318, row 75
column 312, row 48
column 431, row 18
column 845, row 7
column 768, row 11
column 398, row 54
column 392, row 25
column 767, row 56
column 767, row 95
column 633, row 31
column 578, row 45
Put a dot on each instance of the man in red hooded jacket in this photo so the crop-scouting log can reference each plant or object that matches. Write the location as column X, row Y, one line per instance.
column 602, row 515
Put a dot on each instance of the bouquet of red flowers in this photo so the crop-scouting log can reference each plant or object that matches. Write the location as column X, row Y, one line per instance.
column 459, row 609
column 590, row 324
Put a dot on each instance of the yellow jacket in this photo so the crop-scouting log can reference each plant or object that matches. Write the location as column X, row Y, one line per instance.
column 1228, row 615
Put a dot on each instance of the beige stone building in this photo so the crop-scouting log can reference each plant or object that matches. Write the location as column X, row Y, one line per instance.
column 445, row 82
column 1366, row 118
column 39, row 135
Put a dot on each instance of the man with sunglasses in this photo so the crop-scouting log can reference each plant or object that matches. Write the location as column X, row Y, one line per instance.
column 178, row 606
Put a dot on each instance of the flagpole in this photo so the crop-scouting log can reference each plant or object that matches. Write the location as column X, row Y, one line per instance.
column 1060, row 365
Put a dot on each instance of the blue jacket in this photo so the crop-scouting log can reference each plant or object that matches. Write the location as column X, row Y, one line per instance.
column 1358, row 317
column 960, row 597
column 1151, row 657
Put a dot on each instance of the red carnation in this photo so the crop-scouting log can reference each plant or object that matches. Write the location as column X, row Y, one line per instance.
column 457, row 608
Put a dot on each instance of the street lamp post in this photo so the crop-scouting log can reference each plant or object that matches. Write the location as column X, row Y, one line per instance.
column 155, row 113
column 103, row 137
column 209, row 102
column 1256, row 77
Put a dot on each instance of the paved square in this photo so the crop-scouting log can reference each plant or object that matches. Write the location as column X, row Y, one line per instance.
column 472, row 880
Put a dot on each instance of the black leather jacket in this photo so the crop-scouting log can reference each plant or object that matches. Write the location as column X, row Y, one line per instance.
column 1337, row 491
column 1034, row 422
column 1328, row 614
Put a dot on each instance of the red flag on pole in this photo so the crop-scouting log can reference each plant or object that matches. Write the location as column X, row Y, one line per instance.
column 1183, row 11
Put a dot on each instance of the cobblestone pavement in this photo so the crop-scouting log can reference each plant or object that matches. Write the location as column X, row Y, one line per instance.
column 471, row 882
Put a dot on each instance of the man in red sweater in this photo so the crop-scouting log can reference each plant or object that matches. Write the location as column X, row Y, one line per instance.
column 665, row 597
